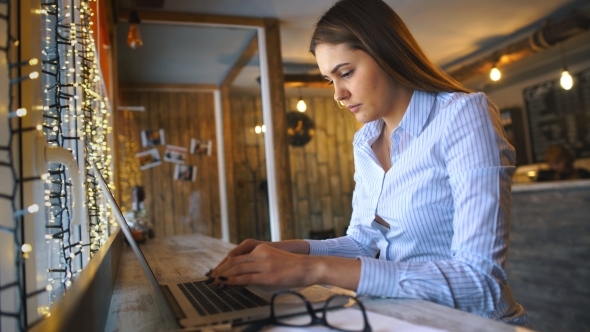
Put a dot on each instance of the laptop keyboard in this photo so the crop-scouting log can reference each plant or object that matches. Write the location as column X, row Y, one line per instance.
column 209, row 300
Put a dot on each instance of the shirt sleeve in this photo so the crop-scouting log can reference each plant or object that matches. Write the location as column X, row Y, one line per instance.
column 359, row 239
column 479, row 164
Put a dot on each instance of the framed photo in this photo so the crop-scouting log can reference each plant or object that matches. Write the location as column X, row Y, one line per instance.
column 152, row 138
column 185, row 172
column 201, row 147
column 175, row 154
column 148, row 159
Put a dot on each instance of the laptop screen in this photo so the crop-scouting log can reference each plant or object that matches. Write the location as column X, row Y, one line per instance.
column 162, row 304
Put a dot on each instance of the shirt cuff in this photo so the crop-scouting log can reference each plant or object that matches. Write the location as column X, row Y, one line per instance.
column 317, row 248
column 379, row 277
column 341, row 246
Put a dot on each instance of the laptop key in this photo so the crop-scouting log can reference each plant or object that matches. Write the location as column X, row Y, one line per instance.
column 208, row 299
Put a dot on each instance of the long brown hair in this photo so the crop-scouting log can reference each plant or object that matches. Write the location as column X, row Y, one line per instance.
column 373, row 27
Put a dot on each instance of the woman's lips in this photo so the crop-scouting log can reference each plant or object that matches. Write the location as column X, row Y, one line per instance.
column 354, row 108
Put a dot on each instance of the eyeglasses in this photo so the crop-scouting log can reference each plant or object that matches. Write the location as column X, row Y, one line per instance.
column 356, row 320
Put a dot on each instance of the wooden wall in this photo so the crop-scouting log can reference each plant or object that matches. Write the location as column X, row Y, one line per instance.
column 174, row 207
column 321, row 171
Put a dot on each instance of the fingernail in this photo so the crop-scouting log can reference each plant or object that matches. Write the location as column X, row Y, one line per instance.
column 208, row 274
column 210, row 280
column 222, row 278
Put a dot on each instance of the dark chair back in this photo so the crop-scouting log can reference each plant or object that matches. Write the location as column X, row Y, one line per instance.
column 322, row 234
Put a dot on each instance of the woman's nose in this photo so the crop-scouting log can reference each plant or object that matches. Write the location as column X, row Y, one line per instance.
column 340, row 94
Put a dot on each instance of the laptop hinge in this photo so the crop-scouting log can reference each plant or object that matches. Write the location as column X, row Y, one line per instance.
column 172, row 301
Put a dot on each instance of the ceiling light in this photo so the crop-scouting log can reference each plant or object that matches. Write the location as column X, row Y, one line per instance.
column 134, row 36
column 495, row 74
column 301, row 107
column 566, row 80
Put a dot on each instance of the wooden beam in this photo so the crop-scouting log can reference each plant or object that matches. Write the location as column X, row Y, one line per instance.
column 247, row 54
column 543, row 38
column 280, row 148
column 306, row 81
column 167, row 87
column 152, row 16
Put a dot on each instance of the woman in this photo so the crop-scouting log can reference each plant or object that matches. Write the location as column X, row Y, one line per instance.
column 432, row 172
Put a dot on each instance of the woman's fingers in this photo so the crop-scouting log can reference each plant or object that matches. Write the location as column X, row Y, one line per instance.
column 265, row 265
column 243, row 248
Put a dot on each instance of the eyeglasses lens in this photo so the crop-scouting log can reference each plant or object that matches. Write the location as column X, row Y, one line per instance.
column 348, row 319
column 288, row 303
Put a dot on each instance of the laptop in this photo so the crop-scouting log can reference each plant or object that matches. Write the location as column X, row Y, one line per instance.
column 192, row 303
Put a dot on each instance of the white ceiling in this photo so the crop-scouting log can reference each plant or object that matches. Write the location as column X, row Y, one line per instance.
column 451, row 32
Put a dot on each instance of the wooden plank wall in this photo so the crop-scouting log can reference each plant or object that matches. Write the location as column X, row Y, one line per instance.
column 252, row 214
column 321, row 171
column 548, row 264
column 174, row 207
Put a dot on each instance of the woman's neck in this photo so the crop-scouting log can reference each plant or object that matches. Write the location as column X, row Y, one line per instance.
column 403, row 96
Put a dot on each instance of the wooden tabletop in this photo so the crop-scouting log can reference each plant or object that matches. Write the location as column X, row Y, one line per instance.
column 133, row 306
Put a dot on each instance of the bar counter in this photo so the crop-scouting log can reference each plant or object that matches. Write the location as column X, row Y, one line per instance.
column 548, row 264
column 133, row 307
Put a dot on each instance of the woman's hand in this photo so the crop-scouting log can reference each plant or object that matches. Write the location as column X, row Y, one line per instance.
column 246, row 247
column 272, row 266
column 242, row 249
column 259, row 263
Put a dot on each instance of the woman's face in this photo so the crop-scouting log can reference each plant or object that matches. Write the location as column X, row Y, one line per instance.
column 359, row 82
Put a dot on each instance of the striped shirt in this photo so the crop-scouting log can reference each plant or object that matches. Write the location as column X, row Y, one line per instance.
column 446, row 198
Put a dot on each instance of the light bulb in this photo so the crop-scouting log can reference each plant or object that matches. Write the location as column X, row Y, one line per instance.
column 301, row 107
column 26, row 248
column 134, row 37
column 495, row 74
column 566, row 80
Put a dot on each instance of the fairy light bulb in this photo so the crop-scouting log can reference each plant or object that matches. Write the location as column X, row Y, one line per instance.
column 566, row 81
column 134, row 36
column 495, row 74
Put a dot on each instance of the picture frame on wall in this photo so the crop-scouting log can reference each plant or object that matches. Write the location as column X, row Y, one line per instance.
column 175, row 154
column 152, row 138
column 185, row 173
column 201, row 147
column 148, row 159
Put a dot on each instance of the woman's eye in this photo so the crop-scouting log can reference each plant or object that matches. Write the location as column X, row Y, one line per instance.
column 347, row 74
column 330, row 82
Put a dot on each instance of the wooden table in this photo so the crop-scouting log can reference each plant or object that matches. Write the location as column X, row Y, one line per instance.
column 133, row 306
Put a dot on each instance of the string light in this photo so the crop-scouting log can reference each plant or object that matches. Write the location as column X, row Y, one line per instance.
column 13, row 294
column 18, row 113
column 76, row 110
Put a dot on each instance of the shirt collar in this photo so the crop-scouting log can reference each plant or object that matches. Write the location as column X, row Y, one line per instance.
column 412, row 122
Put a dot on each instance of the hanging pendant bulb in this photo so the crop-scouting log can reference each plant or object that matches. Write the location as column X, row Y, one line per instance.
column 495, row 74
column 134, row 36
column 566, row 81
column 301, row 107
